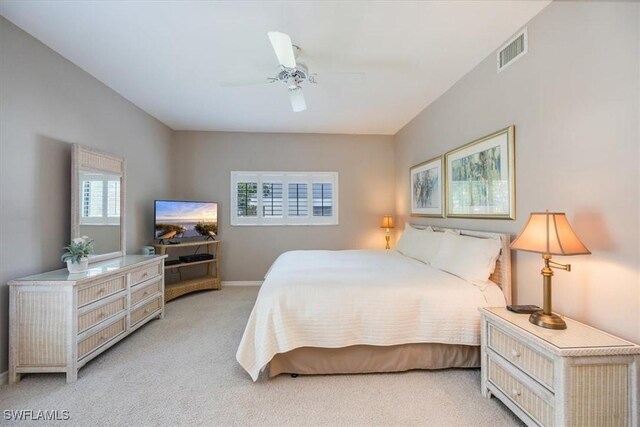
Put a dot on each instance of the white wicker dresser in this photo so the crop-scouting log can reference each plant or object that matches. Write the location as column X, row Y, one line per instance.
column 579, row 376
column 59, row 321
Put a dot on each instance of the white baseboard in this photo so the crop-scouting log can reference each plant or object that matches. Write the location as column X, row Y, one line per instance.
column 242, row 283
column 4, row 377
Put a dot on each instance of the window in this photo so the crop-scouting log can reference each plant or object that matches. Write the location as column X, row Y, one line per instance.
column 100, row 199
column 247, row 194
column 284, row 198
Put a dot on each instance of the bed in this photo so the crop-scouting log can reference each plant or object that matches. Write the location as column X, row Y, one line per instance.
column 357, row 311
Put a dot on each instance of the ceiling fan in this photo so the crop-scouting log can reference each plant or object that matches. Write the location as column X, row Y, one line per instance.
column 290, row 72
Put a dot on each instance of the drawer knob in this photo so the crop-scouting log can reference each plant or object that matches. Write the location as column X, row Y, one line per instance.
column 147, row 311
column 515, row 392
column 145, row 293
column 102, row 338
column 515, row 353
column 100, row 291
column 101, row 315
column 145, row 274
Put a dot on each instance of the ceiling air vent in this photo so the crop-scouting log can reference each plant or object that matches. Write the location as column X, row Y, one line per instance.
column 512, row 50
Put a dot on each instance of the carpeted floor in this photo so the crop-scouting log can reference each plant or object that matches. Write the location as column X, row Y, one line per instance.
column 182, row 371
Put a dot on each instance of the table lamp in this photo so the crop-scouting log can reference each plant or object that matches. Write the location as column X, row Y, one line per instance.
column 549, row 233
column 387, row 222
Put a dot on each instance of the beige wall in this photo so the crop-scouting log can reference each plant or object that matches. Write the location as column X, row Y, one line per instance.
column 202, row 163
column 46, row 104
column 574, row 99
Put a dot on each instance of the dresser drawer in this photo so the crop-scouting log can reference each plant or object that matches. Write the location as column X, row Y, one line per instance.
column 144, row 273
column 100, row 338
column 521, row 355
column 95, row 291
column 144, row 291
column 101, row 312
column 145, row 311
column 526, row 398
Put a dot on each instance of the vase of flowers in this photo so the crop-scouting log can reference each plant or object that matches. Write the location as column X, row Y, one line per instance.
column 76, row 254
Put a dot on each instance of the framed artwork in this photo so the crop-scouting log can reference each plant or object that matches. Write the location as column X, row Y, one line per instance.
column 481, row 178
column 427, row 198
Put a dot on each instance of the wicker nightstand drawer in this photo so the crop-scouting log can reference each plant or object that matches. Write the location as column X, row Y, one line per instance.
column 521, row 355
column 526, row 398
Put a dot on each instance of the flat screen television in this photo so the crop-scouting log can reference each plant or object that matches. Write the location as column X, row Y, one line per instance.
column 179, row 218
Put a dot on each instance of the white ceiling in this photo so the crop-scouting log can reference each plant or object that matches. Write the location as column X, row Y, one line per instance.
column 168, row 57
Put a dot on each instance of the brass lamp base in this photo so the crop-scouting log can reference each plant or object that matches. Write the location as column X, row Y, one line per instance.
column 549, row 321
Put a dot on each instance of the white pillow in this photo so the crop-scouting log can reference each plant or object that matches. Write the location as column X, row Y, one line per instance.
column 419, row 244
column 408, row 244
column 470, row 258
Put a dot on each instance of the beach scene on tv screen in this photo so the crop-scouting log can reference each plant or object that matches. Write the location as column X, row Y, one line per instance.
column 186, row 219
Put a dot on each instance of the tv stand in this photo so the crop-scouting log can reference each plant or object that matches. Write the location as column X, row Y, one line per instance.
column 209, row 281
column 171, row 242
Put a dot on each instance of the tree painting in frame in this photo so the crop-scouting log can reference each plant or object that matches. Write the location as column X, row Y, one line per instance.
column 426, row 188
column 480, row 177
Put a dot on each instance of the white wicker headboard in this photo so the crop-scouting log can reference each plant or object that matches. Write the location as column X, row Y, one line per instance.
column 502, row 273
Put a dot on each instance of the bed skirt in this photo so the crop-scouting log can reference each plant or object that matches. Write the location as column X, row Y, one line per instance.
column 359, row 359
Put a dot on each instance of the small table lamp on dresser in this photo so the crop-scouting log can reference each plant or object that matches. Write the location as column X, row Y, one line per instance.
column 387, row 222
column 549, row 233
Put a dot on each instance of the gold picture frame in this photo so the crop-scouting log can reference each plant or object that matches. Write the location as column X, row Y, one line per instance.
column 425, row 182
column 480, row 178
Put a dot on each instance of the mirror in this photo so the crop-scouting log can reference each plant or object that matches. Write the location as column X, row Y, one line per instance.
column 98, row 201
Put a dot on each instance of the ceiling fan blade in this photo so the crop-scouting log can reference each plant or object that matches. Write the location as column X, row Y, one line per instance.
column 297, row 100
column 241, row 83
column 284, row 48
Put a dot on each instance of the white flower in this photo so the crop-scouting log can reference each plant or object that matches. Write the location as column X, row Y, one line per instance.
column 78, row 240
column 85, row 237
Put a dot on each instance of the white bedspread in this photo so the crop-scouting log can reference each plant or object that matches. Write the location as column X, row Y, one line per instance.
column 337, row 299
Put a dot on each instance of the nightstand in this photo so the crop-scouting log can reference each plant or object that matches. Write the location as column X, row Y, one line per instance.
column 578, row 376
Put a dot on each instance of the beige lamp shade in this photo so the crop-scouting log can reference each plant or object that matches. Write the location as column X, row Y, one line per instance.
column 387, row 221
column 549, row 233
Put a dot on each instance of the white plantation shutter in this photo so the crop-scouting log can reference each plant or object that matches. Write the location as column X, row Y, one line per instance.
column 272, row 199
column 284, row 198
column 100, row 198
column 322, row 199
column 298, row 200
column 92, row 198
column 246, row 203
column 113, row 199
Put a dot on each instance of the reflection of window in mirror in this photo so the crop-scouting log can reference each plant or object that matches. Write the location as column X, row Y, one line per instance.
column 99, row 199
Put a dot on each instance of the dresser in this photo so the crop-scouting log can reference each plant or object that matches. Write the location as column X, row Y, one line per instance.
column 59, row 321
column 578, row 376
